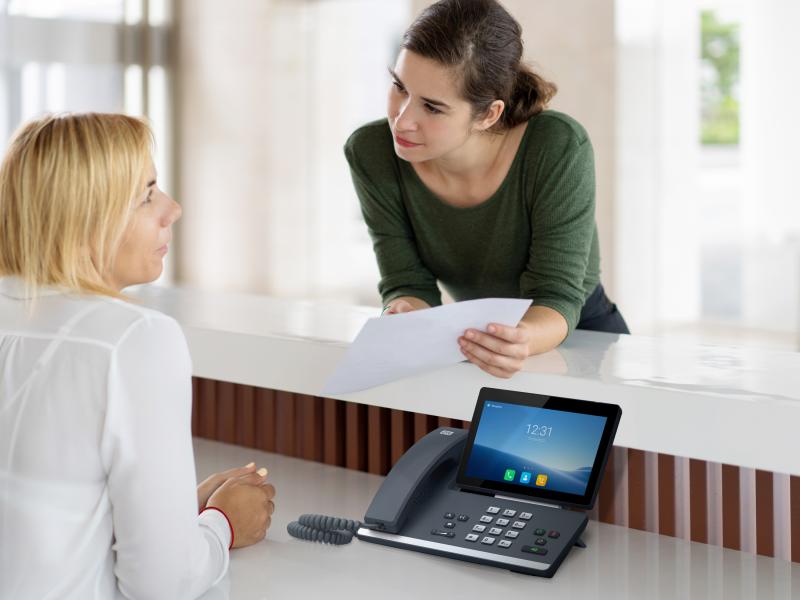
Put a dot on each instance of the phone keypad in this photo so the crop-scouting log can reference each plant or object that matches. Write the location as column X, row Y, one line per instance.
column 502, row 531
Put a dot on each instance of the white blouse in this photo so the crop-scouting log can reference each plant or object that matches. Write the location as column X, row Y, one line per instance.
column 98, row 495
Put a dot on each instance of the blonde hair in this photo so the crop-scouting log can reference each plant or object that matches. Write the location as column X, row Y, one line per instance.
column 66, row 187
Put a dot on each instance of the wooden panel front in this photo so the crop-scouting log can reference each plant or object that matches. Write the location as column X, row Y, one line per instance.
column 371, row 438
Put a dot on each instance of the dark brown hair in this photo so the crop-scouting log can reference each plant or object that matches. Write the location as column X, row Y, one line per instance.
column 483, row 42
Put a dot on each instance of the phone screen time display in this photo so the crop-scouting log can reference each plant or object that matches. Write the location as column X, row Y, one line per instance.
column 535, row 447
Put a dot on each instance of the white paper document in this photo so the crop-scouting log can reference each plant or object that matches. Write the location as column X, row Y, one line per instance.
column 395, row 346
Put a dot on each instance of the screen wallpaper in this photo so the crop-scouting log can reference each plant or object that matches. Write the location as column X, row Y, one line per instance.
column 535, row 447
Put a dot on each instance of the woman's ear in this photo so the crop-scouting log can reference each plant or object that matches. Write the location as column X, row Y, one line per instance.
column 491, row 116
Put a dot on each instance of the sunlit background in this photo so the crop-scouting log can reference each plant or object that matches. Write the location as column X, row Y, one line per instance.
column 691, row 107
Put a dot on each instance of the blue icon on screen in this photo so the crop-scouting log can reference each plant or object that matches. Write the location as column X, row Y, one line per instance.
column 525, row 477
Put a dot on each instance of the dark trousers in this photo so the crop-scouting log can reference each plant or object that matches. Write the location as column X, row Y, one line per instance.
column 600, row 314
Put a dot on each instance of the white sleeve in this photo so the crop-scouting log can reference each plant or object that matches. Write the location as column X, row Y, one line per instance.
column 163, row 548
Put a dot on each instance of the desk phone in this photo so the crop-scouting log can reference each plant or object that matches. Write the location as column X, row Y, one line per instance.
column 502, row 494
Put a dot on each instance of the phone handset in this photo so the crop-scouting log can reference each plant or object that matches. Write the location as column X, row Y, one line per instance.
column 389, row 509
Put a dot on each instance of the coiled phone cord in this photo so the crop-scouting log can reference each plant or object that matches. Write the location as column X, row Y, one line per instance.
column 324, row 529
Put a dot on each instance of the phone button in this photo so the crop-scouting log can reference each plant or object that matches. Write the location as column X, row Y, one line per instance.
column 471, row 537
column 553, row 534
column 485, row 519
column 540, row 541
column 449, row 525
column 509, row 513
column 526, row 516
column 487, row 540
column 539, row 531
column 504, row 543
column 512, row 534
column 534, row 550
column 518, row 525
column 493, row 510
column 495, row 531
column 447, row 534
column 449, row 516
column 479, row 528
column 463, row 518
column 502, row 522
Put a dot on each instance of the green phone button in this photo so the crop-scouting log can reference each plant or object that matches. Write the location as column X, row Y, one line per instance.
column 534, row 550
column 509, row 476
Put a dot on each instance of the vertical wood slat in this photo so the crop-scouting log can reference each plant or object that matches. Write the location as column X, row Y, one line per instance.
column 356, row 436
column 373, row 438
column 637, row 516
column 731, row 529
column 245, row 416
column 666, row 495
column 402, row 434
column 765, row 524
column 794, row 516
column 208, row 409
column 698, row 501
column 264, row 411
column 332, row 432
column 308, row 413
column 285, row 439
column 377, row 440
column 423, row 424
column 226, row 412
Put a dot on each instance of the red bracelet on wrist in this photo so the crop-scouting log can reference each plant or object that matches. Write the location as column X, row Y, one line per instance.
column 220, row 511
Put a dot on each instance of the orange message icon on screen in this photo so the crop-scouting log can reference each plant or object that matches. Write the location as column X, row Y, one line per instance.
column 541, row 480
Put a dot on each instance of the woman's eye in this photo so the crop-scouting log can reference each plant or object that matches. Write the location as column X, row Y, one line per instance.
column 399, row 87
column 432, row 109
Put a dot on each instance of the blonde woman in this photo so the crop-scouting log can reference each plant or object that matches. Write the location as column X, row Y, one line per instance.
column 97, row 490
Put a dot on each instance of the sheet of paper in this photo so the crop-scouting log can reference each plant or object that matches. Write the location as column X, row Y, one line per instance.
column 395, row 346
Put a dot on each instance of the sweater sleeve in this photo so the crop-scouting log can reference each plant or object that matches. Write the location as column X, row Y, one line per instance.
column 562, row 228
column 377, row 186
column 163, row 548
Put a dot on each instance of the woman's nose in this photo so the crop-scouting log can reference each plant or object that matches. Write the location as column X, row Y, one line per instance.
column 173, row 213
column 404, row 119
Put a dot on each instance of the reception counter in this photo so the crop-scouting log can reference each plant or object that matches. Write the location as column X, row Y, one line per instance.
column 706, row 450
column 618, row 563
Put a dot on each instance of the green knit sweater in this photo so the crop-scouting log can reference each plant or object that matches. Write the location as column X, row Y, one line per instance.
column 535, row 237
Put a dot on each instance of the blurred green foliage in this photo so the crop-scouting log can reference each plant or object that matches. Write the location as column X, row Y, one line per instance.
column 720, row 80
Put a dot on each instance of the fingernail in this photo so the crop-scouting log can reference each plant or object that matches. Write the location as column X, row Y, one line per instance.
column 491, row 328
column 248, row 465
column 262, row 471
column 470, row 335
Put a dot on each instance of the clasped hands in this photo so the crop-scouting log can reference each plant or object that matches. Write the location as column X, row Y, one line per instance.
column 245, row 497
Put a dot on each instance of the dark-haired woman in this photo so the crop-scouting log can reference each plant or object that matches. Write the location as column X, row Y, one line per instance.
column 471, row 183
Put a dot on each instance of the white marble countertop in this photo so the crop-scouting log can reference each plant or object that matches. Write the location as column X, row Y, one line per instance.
column 618, row 563
column 733, row 405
